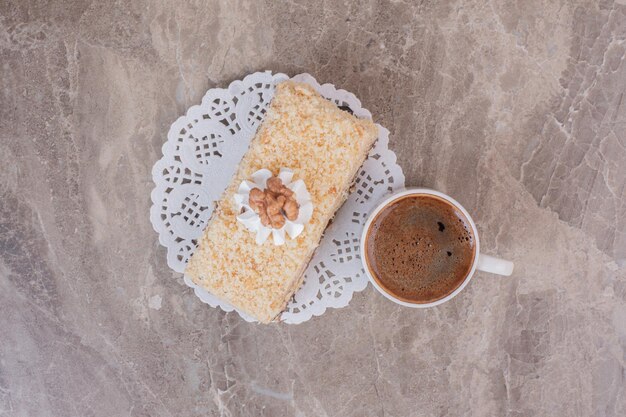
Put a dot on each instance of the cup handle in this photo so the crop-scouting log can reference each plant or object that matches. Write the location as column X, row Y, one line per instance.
column 494, row 265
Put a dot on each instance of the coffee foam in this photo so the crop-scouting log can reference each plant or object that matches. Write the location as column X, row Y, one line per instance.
column 420, row 248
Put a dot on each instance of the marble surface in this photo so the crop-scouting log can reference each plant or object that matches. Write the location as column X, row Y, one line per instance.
column 516, row 109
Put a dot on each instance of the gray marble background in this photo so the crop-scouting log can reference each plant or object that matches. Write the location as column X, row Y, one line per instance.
column 516, row 108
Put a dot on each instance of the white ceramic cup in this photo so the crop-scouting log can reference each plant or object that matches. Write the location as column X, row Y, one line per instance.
column 481, row 262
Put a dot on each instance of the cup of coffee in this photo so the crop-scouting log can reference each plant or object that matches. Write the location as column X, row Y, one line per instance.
column 420, row 248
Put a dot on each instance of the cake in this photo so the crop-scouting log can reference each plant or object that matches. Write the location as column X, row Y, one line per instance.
column 321, row 145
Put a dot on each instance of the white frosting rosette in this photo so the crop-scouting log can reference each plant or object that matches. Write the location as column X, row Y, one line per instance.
column 252, row 221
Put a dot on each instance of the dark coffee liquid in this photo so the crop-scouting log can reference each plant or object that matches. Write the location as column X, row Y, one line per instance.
column 420, row 248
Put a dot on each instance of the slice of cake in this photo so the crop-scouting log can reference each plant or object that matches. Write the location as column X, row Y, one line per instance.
column 322, row 147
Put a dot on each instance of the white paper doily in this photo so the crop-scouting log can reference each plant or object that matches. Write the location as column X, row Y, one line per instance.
column 201, row 155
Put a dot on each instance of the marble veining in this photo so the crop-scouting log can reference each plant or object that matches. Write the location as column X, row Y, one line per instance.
column 516, row 109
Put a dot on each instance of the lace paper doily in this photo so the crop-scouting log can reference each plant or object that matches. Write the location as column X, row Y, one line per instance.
column 201, row 155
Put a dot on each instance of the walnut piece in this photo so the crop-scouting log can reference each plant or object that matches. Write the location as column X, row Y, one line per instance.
column 275, row 185
column 275, row 204
column 291, row 209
